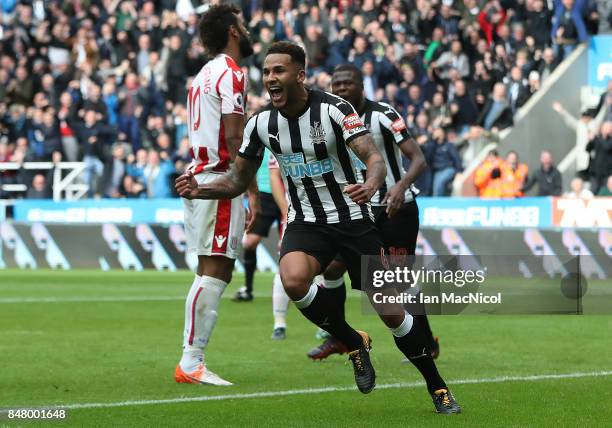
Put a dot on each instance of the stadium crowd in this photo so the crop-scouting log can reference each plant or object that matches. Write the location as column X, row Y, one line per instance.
column 104, row 81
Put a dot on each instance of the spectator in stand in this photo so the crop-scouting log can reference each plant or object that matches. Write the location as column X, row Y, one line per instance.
column 370, row 81
column 437, row 111
column 111, row 101
column 182, row 153
column 360, row 53
column 131, row 102
column 547, row 64
column 491, row 18
column 40, row 149
column 488, row 176
column 448, row 20
column 51, row 131
column 94, row 138
column 137, row 164
column 538, row 25
column 568, row 28
column 516, row 175
column 472, row 143
column 517, row 89
column 601, row 158
column 114, row 171
column 95, row 102
column 496, row 114
column 157, row 175
column 132, row 189
column 21, row 89
column 583, row 127
column 39, row 189
column 482, row 85
column 547, row 177
column 577, row 190
column 444, row 160
column 316, row 47
column 533, row 82
column 176, row 72
column 415, row 101
column 462, row 108
column 453, row 59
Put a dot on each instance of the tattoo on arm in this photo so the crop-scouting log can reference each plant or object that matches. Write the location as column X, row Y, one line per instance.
column 234, row 182
column 363, row 146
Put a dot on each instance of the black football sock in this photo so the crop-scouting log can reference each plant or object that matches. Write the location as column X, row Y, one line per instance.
column 318, row 306
column 424, row 322
column 250, row 263
column 413, row 345
column 337, row 293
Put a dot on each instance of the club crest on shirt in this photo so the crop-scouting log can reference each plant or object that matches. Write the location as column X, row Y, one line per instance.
column 317, row 133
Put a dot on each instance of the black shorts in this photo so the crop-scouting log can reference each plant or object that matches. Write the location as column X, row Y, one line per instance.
column 399, row 233
column 269, row 214
column 350, row 240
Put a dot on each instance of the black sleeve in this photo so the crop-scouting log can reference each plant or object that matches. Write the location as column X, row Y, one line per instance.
column 252, row 146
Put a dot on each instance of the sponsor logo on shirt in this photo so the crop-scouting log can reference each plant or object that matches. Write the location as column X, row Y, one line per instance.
column 352, row 122
column 293, row 166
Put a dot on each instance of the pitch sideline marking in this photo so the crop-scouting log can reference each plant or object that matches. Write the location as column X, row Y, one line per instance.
column 88, row 299
column 307, row 391
column 103, row 299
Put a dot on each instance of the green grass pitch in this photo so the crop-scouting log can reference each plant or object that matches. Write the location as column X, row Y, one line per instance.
column 87, row 337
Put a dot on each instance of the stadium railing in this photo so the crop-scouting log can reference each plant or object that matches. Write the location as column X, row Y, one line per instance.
column 67, row 185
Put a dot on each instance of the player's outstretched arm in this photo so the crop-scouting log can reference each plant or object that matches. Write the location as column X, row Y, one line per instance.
column 228, row 186
column 363, row 146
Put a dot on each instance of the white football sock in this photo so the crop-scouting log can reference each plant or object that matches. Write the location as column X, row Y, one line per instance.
column 200, row 319
column 404, row 328
column 333, row 283
column 280, row 303
column 305, row 301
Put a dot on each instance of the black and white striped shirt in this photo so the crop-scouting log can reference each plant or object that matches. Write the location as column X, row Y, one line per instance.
column 313, row 155
column 389, row 132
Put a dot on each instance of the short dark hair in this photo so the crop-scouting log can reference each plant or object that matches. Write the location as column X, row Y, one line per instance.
column 296, row 53
column 352, row 69
column 214, row 26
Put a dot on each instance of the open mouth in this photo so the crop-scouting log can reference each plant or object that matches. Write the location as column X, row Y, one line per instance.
column 276, row 93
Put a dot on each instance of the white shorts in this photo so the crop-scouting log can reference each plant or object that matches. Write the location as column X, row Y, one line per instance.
column 214, row 227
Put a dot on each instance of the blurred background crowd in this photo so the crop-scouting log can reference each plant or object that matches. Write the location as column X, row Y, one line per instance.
column 104, row 81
